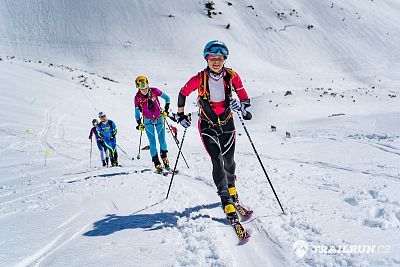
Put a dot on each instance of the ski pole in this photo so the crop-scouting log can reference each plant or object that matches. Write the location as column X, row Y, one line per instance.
column 90, row 158
column 176, row 162
column 176, row 141
column 124, row 152
column 140, row 143
column 259, row 159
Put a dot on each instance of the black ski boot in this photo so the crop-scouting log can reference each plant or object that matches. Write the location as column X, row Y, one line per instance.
column 104, row 163
column 157, row 164
column 115, row 159
column 107, row 161
column 165, row 158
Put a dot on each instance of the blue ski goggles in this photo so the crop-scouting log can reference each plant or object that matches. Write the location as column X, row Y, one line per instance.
column 142, row 85
column 217, row 50
column 142, row 82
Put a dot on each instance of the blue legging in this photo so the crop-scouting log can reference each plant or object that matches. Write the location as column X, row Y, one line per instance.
column 157, row 124
column 103, row 150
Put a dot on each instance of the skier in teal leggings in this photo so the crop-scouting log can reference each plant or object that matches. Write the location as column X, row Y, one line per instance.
column 147, row 104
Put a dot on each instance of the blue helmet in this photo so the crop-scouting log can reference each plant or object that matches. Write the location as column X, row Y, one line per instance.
column 216, row 48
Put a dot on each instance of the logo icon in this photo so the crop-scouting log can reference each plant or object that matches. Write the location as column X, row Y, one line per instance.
column 300, row 248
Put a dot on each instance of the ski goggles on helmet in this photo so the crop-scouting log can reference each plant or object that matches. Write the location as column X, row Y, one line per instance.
column 102, row 114
column 216, row 50
column 141, row 82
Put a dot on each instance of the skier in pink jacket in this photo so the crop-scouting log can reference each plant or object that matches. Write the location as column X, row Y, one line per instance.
column 214, row 86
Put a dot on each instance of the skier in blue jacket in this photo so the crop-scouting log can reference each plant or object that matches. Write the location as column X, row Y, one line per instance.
column 107, row 132
column 100, row 143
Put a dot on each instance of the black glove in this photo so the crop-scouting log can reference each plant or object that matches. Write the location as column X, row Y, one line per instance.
column 166, row 107
column 112, row 138
column 182, row 119
column 244, row 105
column 248, row 116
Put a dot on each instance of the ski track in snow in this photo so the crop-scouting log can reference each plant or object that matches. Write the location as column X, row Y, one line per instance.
column 38, row 254
column 26, row 196
column 69, row 220
column 65, row 242
column 386, row 148
column 332, row 166
column 58, row 242
column 58, row 129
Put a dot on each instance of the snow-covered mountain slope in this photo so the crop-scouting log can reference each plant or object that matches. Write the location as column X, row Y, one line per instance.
column 354, row 38
column 337, row 176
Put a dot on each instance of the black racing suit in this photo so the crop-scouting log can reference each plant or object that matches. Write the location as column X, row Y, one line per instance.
column 217, row 130
column 219, row 141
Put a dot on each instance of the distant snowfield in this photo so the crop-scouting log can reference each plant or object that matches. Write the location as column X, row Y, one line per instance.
column 337, row 176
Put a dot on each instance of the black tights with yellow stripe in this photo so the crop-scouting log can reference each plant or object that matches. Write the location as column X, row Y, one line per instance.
column 219, row 141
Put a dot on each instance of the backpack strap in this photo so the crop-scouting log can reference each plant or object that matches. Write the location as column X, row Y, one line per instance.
column 206, row 110
column 153, row 95
column 139, row 99
column 202, row 90
column 228, row 88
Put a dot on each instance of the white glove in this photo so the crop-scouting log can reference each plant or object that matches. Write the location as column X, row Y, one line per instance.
column 235, row 105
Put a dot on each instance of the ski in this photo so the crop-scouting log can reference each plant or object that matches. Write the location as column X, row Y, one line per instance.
column 246, row 216
column 240, row 231
column 171, row 171
column 244, row 213
column 164, row 172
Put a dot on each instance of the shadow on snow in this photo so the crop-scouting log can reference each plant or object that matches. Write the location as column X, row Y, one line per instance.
column 99, row 175
column 113, row 223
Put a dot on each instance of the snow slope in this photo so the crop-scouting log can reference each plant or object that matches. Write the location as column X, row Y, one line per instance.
column 337, row 176
column 357, row 39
